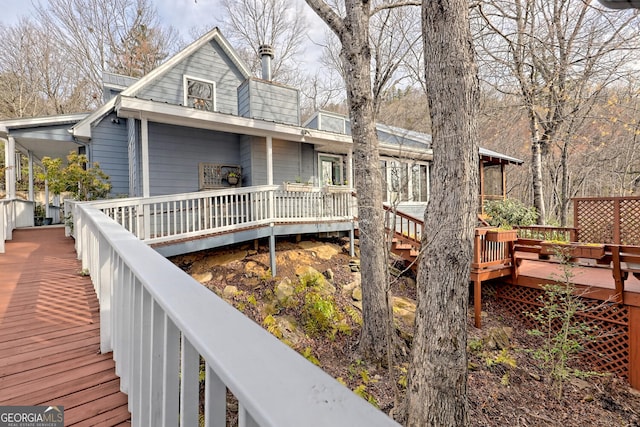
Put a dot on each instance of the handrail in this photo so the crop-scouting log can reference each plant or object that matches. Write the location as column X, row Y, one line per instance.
column 166, row 218
column 407, row 227
column 158, row 321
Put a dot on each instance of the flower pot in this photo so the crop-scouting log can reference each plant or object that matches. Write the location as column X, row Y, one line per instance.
column 232, row 180
column 297, row 186
column 572, row 249
column 497, row 235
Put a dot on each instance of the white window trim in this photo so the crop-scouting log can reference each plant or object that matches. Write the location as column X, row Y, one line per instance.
column 409, row 164
column 340, row 160
column 185, row 98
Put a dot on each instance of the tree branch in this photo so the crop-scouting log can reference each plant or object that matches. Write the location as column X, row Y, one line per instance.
column 328, row 15
column 387, row 6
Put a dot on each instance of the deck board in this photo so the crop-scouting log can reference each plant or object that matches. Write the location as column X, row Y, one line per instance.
column 49, row 333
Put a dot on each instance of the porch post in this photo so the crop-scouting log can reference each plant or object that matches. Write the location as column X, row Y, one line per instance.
column 31, row 192
column 272, row 251
column 146, row 191
column 350, row 168
column 269, row 160
column 10, row 163
column 144, row 133
column 46, row 198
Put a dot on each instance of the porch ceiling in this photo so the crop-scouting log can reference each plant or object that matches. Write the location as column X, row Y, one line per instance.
column 46, row 147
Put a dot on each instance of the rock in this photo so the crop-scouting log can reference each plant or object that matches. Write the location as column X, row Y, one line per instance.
column 328, row 274
column 349, row 287
column 229, row 292
column 497, row 338
column 203, row 277
column 230, row 277
column 290, row 330
column 321, row 250
column 322, row 283
column 580, row 384
column 410, row 282
column 404, row 316
column 208, row 262
column 357, row 294
column 588, row 398
column 354, row 265
column 535, row 376
column 252, row 282
column 357, row 304
column 253, row 269
column 283, row 290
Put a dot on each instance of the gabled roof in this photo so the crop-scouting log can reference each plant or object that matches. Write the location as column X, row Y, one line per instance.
column 83, row 129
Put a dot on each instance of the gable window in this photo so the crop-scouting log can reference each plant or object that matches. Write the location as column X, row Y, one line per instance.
column 199, row 94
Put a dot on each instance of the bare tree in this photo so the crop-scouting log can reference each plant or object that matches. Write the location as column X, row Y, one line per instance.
column 92, row 33
column 557, row 56
column 278, row 23
column 35, row 76
column 352, row 29
column 437, row 380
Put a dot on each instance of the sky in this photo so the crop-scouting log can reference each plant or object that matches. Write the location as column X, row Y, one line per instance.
column 181, row 14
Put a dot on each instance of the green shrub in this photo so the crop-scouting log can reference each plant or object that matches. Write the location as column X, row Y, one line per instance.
column 509, row 212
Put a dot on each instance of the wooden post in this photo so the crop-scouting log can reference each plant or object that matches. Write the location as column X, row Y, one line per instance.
column 477, row 303
column 634, row 347
column 616, row 221
column 618, row 277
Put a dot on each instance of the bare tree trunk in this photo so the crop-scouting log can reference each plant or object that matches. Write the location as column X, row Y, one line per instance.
column 437, row 387
column 536, row 177
column 353, row 32
column 564, row 186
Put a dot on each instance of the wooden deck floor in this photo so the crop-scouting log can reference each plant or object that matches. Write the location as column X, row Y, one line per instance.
column 49, row 333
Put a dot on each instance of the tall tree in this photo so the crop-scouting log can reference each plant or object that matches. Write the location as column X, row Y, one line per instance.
column 352, row 29
column 92, row 33
column 437, row 380
column 557, row 56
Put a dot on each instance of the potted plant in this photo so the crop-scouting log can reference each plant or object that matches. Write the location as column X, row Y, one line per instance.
column 233, row 177
column 501, row 234
column 572, row 249
column 38, row 214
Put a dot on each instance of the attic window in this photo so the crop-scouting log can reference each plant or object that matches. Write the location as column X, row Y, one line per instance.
column 199, row 94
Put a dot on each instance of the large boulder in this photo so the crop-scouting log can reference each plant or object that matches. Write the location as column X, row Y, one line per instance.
column 322, row 250
column 283, row 290
column 306, row 272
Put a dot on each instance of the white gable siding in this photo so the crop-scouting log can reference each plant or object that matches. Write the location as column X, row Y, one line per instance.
column 175, row 152
column 109, row 147
column 208, row 63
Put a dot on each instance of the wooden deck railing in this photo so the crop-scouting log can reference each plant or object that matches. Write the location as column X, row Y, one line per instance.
column 407, row 228
column 179, row 216
column 159, row 322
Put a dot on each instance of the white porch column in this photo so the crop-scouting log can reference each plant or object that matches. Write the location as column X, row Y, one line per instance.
column 31, row 192
column 144, row 134
column 10, row 163
column 46, row 199
column 349, row 177
column 269, row 161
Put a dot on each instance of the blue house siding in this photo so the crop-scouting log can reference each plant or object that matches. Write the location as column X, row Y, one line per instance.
column 259, row 99
column 175, row 152
column 308, row 163
column 209, row 63
column 246, row 162
column 286, row 161
column 109, row 148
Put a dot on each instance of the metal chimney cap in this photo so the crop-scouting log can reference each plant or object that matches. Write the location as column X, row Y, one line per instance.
column 265, row 50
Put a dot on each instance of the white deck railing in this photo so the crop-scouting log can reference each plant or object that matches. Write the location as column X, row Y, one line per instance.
column 166, row 218
column 160, row 322
column 7, row 221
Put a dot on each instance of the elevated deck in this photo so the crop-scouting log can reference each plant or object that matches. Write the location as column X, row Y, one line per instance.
column 50, row 333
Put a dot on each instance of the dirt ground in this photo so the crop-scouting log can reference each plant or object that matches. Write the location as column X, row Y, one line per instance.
column 506, row 385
